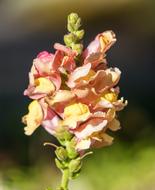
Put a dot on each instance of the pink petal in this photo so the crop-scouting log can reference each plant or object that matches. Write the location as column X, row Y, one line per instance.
column 95, row 59
column 57, row 60
column 68, row 63
column 51, row 125
column 56, row 79
column 30, row 92
column 105, row 79
column 95, row 46
column 77, row 74
column 90, row 127
column 103, row 104
column 65, row 49
column 43, row 63
column 86, row 95
column 51, row 119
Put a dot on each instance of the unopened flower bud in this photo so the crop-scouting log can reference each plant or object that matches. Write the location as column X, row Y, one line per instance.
column 69, row 39
column 59, row 164
column 74, row 22
column 61, row 153
column 63, row 135
column 75, row 165
column 79, row 34
column 78, row 24
column 72, row 152
column 77, row 47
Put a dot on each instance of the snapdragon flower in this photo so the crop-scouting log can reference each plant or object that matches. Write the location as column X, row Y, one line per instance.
column 75, row 97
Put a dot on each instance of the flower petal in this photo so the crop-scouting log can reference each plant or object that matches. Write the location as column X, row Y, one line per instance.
column 83, row 144
column 61, row 96
column 51, row 125
column 114, row 125
column 77, row 74
column 101, row 44
column 74, row 114
column 86, row 95
column 34, row 118
column 65, row 49
column 44, row 85
column 105, row 79
column 103, row 140
column 92, row 126
column 43, row 63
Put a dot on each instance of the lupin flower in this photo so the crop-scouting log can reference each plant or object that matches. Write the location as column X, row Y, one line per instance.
column 75, row 97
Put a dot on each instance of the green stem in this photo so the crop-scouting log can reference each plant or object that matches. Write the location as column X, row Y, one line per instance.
column 65, row 179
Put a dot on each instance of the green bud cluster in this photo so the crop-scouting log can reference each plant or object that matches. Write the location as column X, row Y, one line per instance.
column 68, row 159
column 75, row 35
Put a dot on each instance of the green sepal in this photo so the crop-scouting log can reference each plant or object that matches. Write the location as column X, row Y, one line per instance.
column 75, row 175
column 61, row 165
column 75, row 165
column 61, row 153
column 70, row 147
column 64, row 136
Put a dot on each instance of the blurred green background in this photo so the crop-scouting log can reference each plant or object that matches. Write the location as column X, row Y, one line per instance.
column 30, row 26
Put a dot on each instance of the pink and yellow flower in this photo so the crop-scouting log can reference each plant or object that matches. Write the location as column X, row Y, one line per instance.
column 82, row 100
column 40, row 114
column 44, row 77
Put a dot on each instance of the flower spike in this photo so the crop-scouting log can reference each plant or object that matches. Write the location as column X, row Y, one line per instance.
column 75, row 98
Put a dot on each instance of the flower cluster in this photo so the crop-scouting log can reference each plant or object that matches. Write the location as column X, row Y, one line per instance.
column 77, row 97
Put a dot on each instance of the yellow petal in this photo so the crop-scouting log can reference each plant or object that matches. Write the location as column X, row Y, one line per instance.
column 114, row 125
column 44, row 85
column 111, row 113
column 102, row 140
column 107, row 39
column 74, row 113
column 111, row 96
column 76, row 109
column 34, row 118
column 115, row 74
column 61, row 96
column 107, row 139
